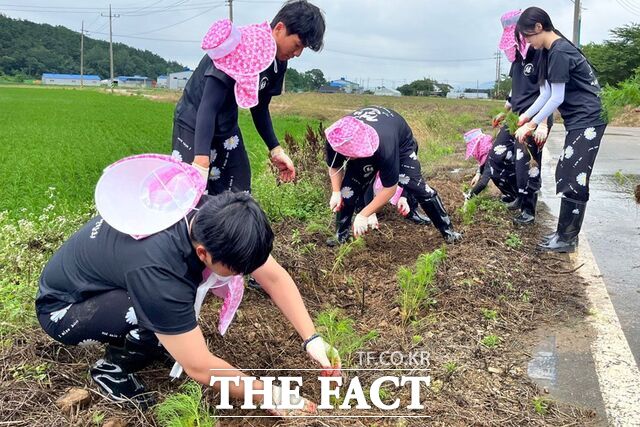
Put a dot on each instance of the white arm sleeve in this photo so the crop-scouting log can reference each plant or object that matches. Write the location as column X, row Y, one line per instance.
column 556, row 99
column 545, row 94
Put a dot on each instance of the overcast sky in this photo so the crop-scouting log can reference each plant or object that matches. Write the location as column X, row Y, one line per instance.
column 366, row 40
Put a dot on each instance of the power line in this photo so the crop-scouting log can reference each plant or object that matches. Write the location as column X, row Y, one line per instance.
column 390, row 58
column 176, row 23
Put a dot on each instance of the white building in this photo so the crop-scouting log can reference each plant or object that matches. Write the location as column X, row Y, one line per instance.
column 467, row 95
column 386, row 91
column 70, row 79
column 162, row 82
column 177, row 81
column 133, row 81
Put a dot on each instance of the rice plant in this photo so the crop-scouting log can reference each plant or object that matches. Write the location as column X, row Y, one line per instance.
column 337, row 330
column 185, row 409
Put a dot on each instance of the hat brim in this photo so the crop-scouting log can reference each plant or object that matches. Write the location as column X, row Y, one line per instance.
column 123, row 200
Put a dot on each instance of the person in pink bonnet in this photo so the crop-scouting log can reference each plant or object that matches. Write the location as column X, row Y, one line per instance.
column 244, row 67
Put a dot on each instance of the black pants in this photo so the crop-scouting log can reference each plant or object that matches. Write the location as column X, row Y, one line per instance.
column 359, row 176
column 528, row 176
column 576, row 162
column 104, row 318
column 229, row 162
column 501, row 163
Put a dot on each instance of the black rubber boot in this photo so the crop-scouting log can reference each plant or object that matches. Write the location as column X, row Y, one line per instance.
column 434, row 208
column 515, row 204
column 507, row 198
column 527, row 214
column 565, row 240
column 343, row 226
column 414, row 215
column 115, row 373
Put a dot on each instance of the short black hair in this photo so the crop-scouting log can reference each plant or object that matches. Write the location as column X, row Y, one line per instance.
column 304, row 19
column 234, row 230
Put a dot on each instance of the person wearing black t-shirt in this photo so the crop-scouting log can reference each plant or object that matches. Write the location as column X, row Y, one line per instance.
column 568, row 83
column 104, row 286
column 390, row 150
column 205, row 128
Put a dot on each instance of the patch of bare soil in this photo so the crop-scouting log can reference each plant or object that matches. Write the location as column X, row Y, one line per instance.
column 489, row 386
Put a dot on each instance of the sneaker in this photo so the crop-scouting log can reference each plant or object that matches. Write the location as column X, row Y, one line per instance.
column 120, row 386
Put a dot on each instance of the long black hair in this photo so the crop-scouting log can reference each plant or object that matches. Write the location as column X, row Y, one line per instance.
column 526, row 26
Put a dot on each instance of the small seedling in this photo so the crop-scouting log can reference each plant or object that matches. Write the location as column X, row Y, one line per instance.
column 97, row 418
column 186, row 408
column 490, row 341
column 296, row 239
column 27, row 372
column 526, row 296
column 345, row 250
column 450, row 368
column 337, row 330
column 489, row 314
column 417, row 286
column 513, row 241
column 436, row 386
column 416, row 339
column 620, row 178
column 541, row 405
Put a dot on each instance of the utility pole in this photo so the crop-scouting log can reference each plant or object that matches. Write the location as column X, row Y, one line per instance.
column 111, row 16
column 577, row 22
column 82, row 55
column 230, row 9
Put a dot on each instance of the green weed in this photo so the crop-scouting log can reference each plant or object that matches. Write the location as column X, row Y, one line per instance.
column 541, row 405
column 345, row 250
column 490, row 341
column 185, row 409
column 97, row 418
column 337, row 330
column 417, row 285
column 489, row 314
column 450, row 368
column 513, row 241
column 28, row 372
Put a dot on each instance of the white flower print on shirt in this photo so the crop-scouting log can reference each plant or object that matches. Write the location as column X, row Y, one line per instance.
column 581, row 179
column 568, row 152
column 346, row 192
column 499, row 149
column 413, row 156
column 509, row 155
column 231, row 143
column 534, row 172
column 590, row 133
column 213, row 155
column 134, row 333
column 576, row 212
column 176, row 155
column 88, row 343
column 59, row 314
column 130, row 317
column 519, row 154
column 403, row 179
column 215, row 173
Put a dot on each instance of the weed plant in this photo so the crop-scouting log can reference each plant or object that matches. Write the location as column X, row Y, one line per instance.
column 417, row 286
column 185, row 409
column 337, row 330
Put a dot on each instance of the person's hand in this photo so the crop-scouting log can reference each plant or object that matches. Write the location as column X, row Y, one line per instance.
column 475, row 179
column 284, row 164
column 498, row 119
column 524, row 131
column 372, row 222
column 507, row 106
column 541, row 134
column 523, row 119
column 325, row 355
column 204, row 171
column 360, row 225
column 403, row 206
column 309, row 407
column 335, row 203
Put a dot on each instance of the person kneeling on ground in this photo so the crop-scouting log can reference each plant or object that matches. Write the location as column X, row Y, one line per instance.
column 370, row 140
column 142, row 297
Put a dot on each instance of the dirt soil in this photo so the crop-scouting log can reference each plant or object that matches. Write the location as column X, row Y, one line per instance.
column 490, row 387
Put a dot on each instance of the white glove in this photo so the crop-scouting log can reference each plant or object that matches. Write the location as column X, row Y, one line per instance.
column 524, row 131
column 403, row 206
column 335, row 203
column 360, row 225
column 467, row 196
column 541, row 133
column 372, row 222
column 325, row 355
column 203, row 171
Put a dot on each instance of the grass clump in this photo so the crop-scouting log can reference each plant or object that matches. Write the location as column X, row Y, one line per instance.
column 490, row 341
column 185, row 409
column 513, row 241
column 489, row 314
column 541, row 405
column 417, row 285
column 337, row 330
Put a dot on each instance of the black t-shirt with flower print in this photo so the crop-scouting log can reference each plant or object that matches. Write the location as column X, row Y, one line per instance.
column 396, row 141
column 581, row 107
column 160, row 273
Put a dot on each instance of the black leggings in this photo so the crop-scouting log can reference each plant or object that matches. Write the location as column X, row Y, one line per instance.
column 104, row 318
column 501, row 163
column 229, row 168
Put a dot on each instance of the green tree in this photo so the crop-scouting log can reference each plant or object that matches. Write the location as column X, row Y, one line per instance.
column 617, row 59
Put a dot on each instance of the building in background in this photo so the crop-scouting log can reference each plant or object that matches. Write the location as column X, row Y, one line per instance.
column 177, row 81
column 133, row 81
column 386, row 91
column 346, row 86
column 70, row 79
column 162, row 82
column 467, row 95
